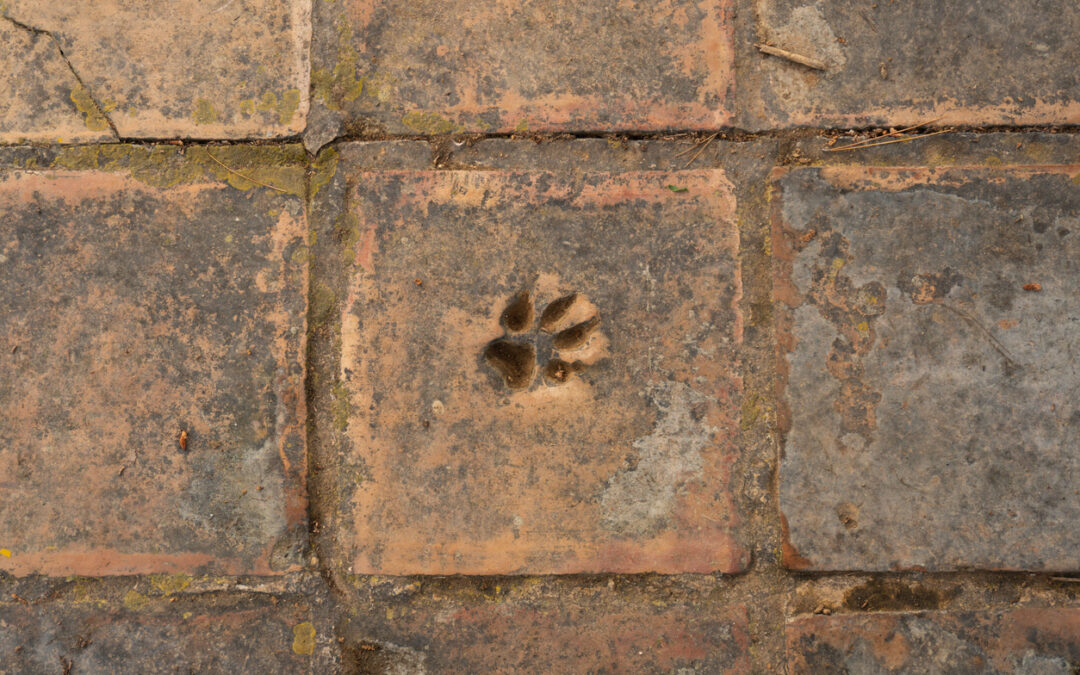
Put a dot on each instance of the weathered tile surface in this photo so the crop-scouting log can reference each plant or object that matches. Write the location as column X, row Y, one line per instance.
column 488, row 439
column 928, row 339
column 1043, row 641
column 184, row 68
column 497, row 66
column 148, row 636
column 902, row 63
column 132, row 313
column 43, row 100
column 569, row 633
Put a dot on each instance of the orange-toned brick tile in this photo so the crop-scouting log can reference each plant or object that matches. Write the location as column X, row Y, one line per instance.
column 498, row 66
column 587, row 631
column 541, row 372
column 151, row 350
column 184, row 68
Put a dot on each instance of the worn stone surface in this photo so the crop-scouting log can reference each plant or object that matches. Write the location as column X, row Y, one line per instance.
column 904, row 63
column 147, row 635
column 43, row 96
column 927, row 326
column 185, row 68
column 490, row 433
column 533, row 628
column 152, row 354
column 1023, row 641
column 495, row 66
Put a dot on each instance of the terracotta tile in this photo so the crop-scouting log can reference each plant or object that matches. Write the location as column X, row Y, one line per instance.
column 1035, row 640
column 150, row 636
column 44, row 102
column 497, row 66
column 905, row 63
column 133, row 313
column 576, row 632
column 184, row 68
column 497, row 433
column 926, row 329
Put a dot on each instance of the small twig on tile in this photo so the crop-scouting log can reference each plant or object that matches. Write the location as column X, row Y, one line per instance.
column 994, row 342
column 793, row 57
column 247, row 178
column 704, row 145
column 856, row 145
column 906, row 139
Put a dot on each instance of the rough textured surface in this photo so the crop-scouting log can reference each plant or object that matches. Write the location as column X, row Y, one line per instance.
column 619, row 463
column 152, row 354
column 243, row 635
column 552, row 623
column 497, row 66
column 902, row 63
column 42, row 95
column 927, row 329
column 184, row 68
column 532, row 630
column 1025, row 641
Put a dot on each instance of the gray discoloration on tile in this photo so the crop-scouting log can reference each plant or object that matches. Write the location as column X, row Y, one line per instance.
column 132, row 313
column 900, row 63
column 639, row 497
column 1043, row 641
column 240, row 635
column 931, row 411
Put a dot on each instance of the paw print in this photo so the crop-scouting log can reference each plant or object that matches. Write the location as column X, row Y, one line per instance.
column 561, row 343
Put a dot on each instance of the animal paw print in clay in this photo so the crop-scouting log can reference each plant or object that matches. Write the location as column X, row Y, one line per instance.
column 554, row 344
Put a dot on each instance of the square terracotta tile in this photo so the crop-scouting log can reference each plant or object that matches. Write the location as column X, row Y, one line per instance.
column 541, row 372
column 572, row 631
column 497, row 66
column 177, row 69
column 896, row 64
column 39, row 105
column 151, row 350
column 927, row 333
column 157, row 636
column 1025, row 640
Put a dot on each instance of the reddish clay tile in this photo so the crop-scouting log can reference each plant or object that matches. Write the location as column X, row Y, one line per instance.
column 904, row 63
column 184, row 68
column 1033, row 640
column 569, row 635
column 134, row 316
column 44, row 101
column 152, row 636
column 927, row 398
column 505, row 428
column 497, row 66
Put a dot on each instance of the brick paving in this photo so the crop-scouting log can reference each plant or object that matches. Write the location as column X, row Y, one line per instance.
column 898, row 64
column 508, row 629
column 929, row 316
column 157, row 636
column 226, row 70
column 154, row 367
column 1017, row 641
column 532, row 416
column 470, row 381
